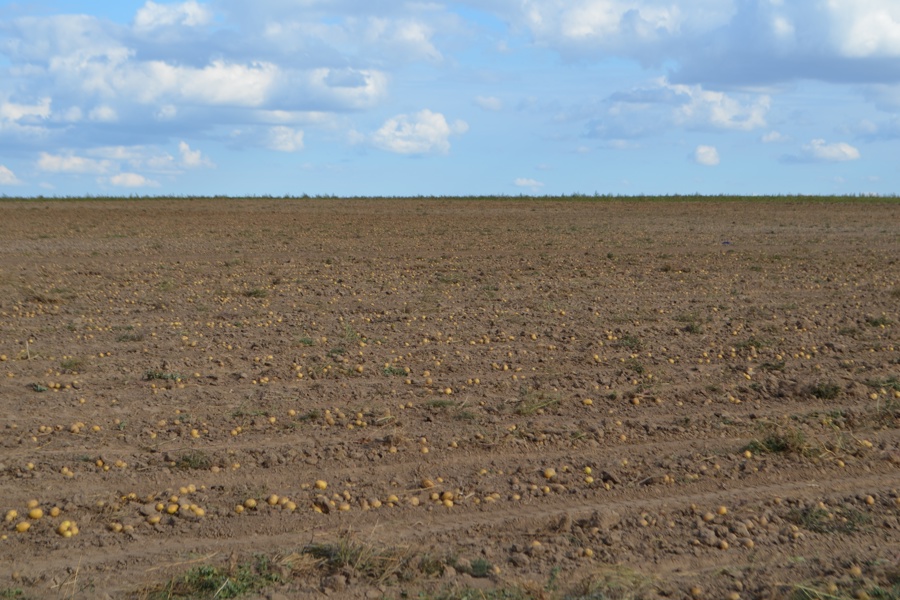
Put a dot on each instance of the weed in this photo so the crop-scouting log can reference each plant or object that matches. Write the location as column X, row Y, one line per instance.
column 781, row 441
column 635, row 365
column 878, row 321
column 489, row 594
column 820, row 520
column 480, row 568
column 256, row 293
column 207, row 581
column 152, row 374
column 351, row 335
column 398, row 371
column 693, row 328
column 69, row 365
column 531, row 402
column 306, row 341
column 194, row 460
column 339, row 351
column 772, row 366
column 805, row 592
column 753, row 342
column 242, row 412
column 440, row 403
column 825, row 391
column 629, row 341
column 309, row 416
column 891, row 383
column 465, row 415
column 12, row 593
column 37, row 387
column 130, row 337
column 613, row 583
column 374, row 563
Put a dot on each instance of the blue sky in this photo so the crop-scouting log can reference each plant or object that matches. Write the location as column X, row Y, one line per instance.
column 384, row 97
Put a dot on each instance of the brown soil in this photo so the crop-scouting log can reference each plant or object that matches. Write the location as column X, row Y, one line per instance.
column 715, row 386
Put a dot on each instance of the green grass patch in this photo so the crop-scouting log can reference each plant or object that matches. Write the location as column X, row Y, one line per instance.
column 821, row 520
column 70, row 365
column 891, row 383
column 781, row 440
column 878, row 321
column 630, row 342
column 825, row 391
column 373, row 562
column 394, row 371
column 153, row 374
column 194, row 460
column 130, row 337
column 207, row 582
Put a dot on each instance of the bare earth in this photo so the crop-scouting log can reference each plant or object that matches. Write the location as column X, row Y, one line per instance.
column 506, row 399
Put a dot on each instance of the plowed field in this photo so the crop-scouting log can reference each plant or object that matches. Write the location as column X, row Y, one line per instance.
column 450, row 399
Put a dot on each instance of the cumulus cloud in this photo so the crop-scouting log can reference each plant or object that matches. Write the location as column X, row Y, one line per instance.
column 525, row 182
column 489, row 102
column 11, row 111
column 103, row 114
column 192, row 159
column 424, row 132
column 819, row 150
column 718, row 109
column 342, row 89
column 649, row 110
column 734, row 41
column 189, row 14
column 285, row 139
column 70, row 163
column 7, row 177
column 866, row 28
column 774, row 137
column 131, row 180
column 707, row 156
column 218, row 83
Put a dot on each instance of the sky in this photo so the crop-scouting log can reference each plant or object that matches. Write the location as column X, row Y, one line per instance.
column 394, row 98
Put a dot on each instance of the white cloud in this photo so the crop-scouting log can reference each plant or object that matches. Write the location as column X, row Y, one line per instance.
column 10, row 111
column 346, row 88
column 525, row 182
column 837, row 152
column 7, row 177
column 579, row 27
column 718, row 109
column 774, row 137
column 489, row 102
column 103, row 114
column 706, row 155
column 192, row 158
column 733, row 41
column 285, row 139
column 56, row 163
column 866, row 28
column 424, row 132
column 167, row 112
column 647, row 111
column 189, row 14
column 219, row 83
column 137, row 158
column 131, row 180
column 405, row 35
